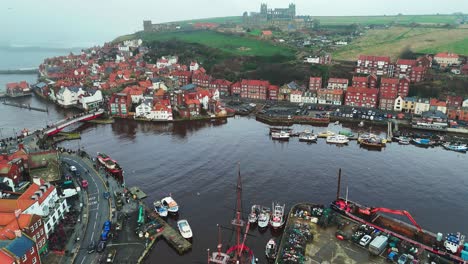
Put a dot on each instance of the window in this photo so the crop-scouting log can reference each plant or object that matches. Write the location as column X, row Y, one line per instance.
column 40, row 222
column 24, row 258
column 42, row 232
column 32, row 250
column 35, row 225
column 34, row 261
column 32, row 228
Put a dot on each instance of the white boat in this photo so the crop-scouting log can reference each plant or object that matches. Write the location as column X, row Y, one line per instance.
column 366, row 136
column 184, row 228
column 277, row 216
column 307, row 136
column 337, row 139
column 282, row 135
column 170, row 204
column 160, row 209
column 271, row 249
column 253, row 216
column 455, row 147
column 264, row 217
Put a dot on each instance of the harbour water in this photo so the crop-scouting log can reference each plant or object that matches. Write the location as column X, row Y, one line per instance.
column 196, row 163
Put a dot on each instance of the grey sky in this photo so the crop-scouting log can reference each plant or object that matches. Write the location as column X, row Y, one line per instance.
column 82, row 23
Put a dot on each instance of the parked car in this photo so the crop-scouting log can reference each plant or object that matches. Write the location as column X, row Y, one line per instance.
column 365, row 240
column 72, row 168
column 101, row 246
column 403, row 259
column 107, row 226
column 111, row 256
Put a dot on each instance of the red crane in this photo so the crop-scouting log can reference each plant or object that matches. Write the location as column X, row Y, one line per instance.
column 372, row 211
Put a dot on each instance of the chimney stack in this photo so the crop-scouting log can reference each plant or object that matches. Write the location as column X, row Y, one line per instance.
column 37, row 180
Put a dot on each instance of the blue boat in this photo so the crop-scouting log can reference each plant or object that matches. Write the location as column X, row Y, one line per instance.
column 423, row 142
column 455, row 147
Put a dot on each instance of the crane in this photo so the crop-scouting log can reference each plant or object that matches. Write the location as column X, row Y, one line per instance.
column 371, row 211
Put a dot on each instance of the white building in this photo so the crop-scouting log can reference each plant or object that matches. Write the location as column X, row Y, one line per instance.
column 337, row 84
column 341, row 43
column 309, row 98
column 91, row 100
column 134, row 43
column 295, row 96
column 143, row 109
column 422, row 105
column 399, row 102
column 160, row 112
column 465, row 103
column 41, row 198
column 313, row 60
column 124, row 48
column 158, row 84
column 68, row 96
column 194, row 66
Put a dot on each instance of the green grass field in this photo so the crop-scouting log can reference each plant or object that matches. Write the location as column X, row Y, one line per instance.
column 379, row 20
column 393, row 41
column 230, row 44
column 219, row 20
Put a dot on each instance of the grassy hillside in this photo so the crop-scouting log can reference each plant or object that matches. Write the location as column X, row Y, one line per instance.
column 220, row 20
column 396, row 39
column 230, row 44
column 378, row 20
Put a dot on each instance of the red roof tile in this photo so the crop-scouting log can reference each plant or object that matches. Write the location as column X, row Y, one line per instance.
column 338, row 80
column 446, row 55
column 389, row 81
column 406, row 62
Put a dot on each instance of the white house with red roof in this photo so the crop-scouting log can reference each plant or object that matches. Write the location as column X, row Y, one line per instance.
column 445, row 59
column 161, row 111
column 68, row 96
column 40, row 198
column 194, row 66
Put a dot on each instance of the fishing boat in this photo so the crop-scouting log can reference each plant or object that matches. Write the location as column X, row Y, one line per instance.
column 282, row 135
column 277, row 216
column 307, row 136
column 170, row 204
column 422, row 142
column 338, row 139
column 253, row 216
column 184, row 229
column 160, row 209
column 271, row 249
column 264, row 217
column 325, row 134
column 110, row 166
column 373, row 142
column 346, row 133
column 455, row 147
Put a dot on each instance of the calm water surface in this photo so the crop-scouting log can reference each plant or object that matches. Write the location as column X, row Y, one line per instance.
column 196, row 162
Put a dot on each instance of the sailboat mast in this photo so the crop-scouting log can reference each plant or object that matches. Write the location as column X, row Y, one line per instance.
column 238, row 222
column 339, row 185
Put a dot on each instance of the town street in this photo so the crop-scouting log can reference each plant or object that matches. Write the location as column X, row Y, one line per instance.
column 98, row 207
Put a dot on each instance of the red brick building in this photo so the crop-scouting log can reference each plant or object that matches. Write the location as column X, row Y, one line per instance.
column 362, row 97
column 201, row 79
column 20, row 250
column 388, row 92
column 30, row 224
column 458, row 114
column 360, row 82
column 236, row 89
column 273, row 92
column 454, row 101
column 14, row 166
column 403, row 87
column 332, row 97
column 412, row 69
column 378, row 65
column 120, row 104
column 223, row 86
column 254, row 89
column 337, row 84
column 184, row 77
column 315, row 83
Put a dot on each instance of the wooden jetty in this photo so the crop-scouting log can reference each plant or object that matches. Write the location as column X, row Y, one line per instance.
column 172, row 236
column 26, row 106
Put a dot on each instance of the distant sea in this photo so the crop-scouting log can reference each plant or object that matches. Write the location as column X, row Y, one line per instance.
column 17, row 57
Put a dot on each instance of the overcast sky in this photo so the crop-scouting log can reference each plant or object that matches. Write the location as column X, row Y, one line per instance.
column 67, row 23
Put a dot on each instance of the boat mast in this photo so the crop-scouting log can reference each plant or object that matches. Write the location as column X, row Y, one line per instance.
column 237, row 221
column 339, row 185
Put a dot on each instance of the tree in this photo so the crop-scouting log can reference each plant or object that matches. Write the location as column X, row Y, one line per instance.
column 408, row 54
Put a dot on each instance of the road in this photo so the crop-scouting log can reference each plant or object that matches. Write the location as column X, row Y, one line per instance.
column 98, row 208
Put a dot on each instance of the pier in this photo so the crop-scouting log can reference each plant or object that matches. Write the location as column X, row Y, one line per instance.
column 20, row 71
column 26, row 106
column 172, row 236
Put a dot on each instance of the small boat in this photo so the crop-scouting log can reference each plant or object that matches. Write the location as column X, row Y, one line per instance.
column 422, row 142
column 325, row 134
column 346, row 133
column 277, row 216
column 253, row 216
column 373, row 142
column 307, row 136
column 338, row 139
column 279, row 129
column 170, row 204
column 337, row 122
column 271, row 249
column 282, row 135
column 404, row 141
column 184, row 228
column 361, row 124
column 455, row 147
column 160, row 209
column 264, row 217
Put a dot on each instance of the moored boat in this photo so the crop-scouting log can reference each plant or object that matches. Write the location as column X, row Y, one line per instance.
column 282, row 135
column 170, row 204
column 346, row 133
column 277, row 216
column 253, row 216
column 338, row 139
column 160, row 209
column 455, row 147
column 264, row 217
column 373, row 142
column 307, row 136
column 325, row 134
column 422, row 142
column 110, row 165
column 184, row 228
column 271, row 249
column 279, row 129
column 404, row 141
